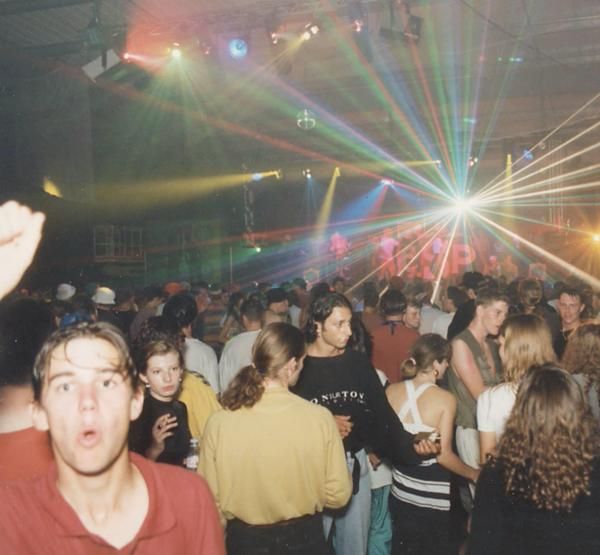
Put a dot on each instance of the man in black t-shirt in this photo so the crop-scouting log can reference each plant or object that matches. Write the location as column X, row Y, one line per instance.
column 345, row 382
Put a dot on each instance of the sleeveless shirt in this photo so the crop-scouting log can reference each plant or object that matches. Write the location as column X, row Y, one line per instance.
column 427, row 484
column 466, row 410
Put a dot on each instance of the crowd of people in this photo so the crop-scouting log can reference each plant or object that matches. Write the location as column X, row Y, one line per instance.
column 283, row 418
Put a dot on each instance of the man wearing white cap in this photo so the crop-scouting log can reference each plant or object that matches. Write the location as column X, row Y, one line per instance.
column 104, row 297
column 65, row 292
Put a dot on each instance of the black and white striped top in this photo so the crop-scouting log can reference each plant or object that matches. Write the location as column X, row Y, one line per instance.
column 426, row 485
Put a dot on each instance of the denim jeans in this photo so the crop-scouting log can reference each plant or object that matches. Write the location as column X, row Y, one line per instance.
column 351, row 524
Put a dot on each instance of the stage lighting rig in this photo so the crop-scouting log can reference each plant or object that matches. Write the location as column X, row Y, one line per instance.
column 408, row 29
column 310, row 30
column 273, row 27
column 175, row 51
column 307, row 173
column 473, row 161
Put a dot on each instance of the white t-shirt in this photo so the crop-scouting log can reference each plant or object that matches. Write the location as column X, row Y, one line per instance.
column 294, row 312
column 494, row 406
column 200, row 358
column 236, row 354
column 429, row 315
column 442, row 323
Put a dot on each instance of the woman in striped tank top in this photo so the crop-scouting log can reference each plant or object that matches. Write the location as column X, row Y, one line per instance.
column 420, row 496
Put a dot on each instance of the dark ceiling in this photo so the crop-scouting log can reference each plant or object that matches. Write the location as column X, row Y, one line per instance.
column 527, row 65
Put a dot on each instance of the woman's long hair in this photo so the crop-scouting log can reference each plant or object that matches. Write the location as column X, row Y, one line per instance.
column 550, row 442
column 527, row 343
column 276, row 344
column 582, row 355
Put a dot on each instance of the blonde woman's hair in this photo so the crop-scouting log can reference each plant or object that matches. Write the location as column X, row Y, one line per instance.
column 527, row 342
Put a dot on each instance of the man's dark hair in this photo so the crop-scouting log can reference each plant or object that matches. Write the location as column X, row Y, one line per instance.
column 361, row 340
column 456, row 295
column 472, row 280
column 60, row 308
column 198, row 285
column 24, row 326
column 252, row 309
column 318, row 290
column 152, row 292
column 276, row 295
column 95, row 330
column 320, row 309
column 337, row 279
column 370, row 295
column 181, row 308
column 393, row 303
column 123, row 294
column 489, row 295
column 299, row 282
column 414, row 302
column 158, row 328
column 572, row 292
column 85, row 307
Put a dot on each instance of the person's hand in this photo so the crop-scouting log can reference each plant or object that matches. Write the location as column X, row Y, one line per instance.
column 428, row 448
column 375, row 460
column 344, row 425
column 20, row 234
column 161, row 430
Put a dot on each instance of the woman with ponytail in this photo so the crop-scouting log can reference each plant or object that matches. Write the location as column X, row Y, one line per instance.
column 420, row 495
column 273, row 460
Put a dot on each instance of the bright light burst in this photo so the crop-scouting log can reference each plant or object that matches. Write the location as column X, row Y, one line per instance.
column 438, row 192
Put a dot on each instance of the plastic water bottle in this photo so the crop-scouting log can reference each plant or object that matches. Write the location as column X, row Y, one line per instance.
column 191, row 459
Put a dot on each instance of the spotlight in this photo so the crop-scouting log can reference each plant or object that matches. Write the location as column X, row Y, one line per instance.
column 386, row 182
column 310, row 30
column 473, row 161
column 257, row 176
column 175, row 51
column 358, row 25
column 273, row 28
column 257, row 248
column 307, row 173
column 356, row 16
column 527, row 155
column 596, row 237
column 278, row 174
column 463, row 204
column 238, row 48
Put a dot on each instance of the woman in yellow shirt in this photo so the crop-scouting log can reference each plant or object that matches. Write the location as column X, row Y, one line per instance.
column 273, row 460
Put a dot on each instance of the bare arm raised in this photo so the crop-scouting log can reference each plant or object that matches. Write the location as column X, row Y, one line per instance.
column 20, row 234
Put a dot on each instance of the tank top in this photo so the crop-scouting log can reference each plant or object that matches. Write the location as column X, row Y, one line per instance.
column 466, row 409
column 427, row 484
